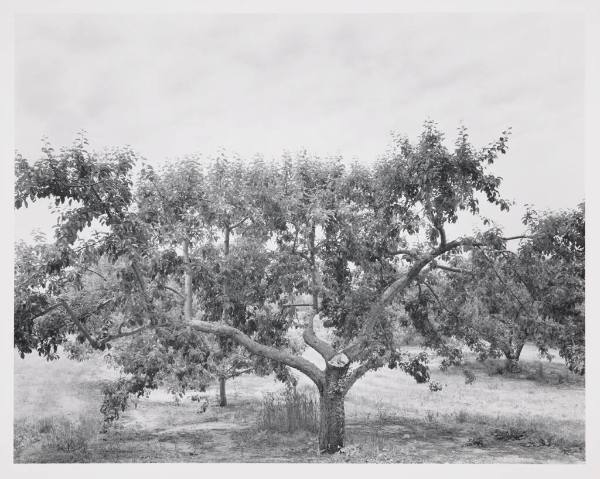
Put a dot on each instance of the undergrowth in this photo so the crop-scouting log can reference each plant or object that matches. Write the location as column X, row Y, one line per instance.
column 289, row 411
column 56, row 434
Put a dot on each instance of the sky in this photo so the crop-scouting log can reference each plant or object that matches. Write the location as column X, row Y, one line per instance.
column 172, row 85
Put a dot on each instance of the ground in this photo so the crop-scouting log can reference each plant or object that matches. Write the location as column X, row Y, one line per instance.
column 536, row 416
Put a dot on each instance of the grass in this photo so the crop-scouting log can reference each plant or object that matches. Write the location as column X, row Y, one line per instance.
column 290, row 410
column 58, row 438
column 533, row 416
column 488, row 395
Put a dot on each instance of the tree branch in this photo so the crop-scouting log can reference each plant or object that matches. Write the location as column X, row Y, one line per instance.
column 238, row 372
column 442, row 233
column 173, row 291
column 362, row 341
column 140, row 281
column 239, row 223
column 120, row 334
column 95, row 272
column 442, row 305
column 320, row 346
column 491, row 263
column 296, row 362
column 95, row 344
column 450, row 269
column 401, row 251
column 359, row 372
column 510, row 238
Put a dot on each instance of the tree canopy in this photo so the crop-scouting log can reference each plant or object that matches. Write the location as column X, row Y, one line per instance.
column 218, row 247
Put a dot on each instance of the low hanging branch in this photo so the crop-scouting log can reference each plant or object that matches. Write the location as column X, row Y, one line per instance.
column 95, row 344
column 450, row 269
column 168, row 288
column 269, row 352
column 491, row 263
column 360, row 344
column 98, row 343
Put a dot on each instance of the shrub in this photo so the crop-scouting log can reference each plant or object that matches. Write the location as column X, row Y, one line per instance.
column 430, row 416
column 56, row 434
column 435, row 386
column 116, row 396
column 25, row 433
column 478, row 440
column 495, row 370
column 510, row 433
column 462, row 416
column 469, row 376
column 66, row 436
column 289, row 411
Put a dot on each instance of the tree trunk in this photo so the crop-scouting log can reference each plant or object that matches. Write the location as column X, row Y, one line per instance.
column 519, row 349
column 187, row 308
column 333, row 417
column 512, row 362
column 332, row 425
column 222, row 394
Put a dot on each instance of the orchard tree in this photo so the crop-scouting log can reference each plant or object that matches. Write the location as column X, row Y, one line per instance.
column 483, row 300
column 556, row 244
column 356, row 240
column 203, row 211
column 496, row 299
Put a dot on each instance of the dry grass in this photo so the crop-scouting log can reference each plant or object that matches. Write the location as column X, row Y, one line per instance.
column 290, row 410
column 56, row 438
column 489, row 395
column 531, row 417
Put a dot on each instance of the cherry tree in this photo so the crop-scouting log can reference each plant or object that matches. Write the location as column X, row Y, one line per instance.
column 233, row 245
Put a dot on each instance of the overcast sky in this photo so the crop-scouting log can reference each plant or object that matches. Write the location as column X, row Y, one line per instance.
column 334, row 84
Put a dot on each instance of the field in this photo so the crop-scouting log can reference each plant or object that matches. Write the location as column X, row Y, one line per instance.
column 537, row 416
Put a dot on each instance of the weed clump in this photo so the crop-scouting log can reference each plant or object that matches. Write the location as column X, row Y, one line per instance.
column 478, row 440
column 289, row 411
column 509, row 433
column 435, row 386
column 57, row 434
column 115, row 400
column 469, row 376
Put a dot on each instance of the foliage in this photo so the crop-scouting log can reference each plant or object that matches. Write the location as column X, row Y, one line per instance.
column 469, row 376
column 435, row 386
column 495, row 299
column 224, row 247
column 115, row 399
column 414, row 365
column 558, row 242
column 486, row 303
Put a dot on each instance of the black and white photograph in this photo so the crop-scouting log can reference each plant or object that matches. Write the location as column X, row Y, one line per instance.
column 298, row 237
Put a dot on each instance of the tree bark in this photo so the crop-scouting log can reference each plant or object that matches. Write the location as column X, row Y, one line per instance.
column 187, row 308
column 511, row 362
column 519, row 349
column 332, row 427
column 269, row 352
column 222, row 393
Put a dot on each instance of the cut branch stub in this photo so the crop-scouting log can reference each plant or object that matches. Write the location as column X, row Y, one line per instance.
column 339, row 361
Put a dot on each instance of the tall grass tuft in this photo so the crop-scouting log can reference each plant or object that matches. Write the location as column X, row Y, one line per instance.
column 289, row 411
column 56, row 434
